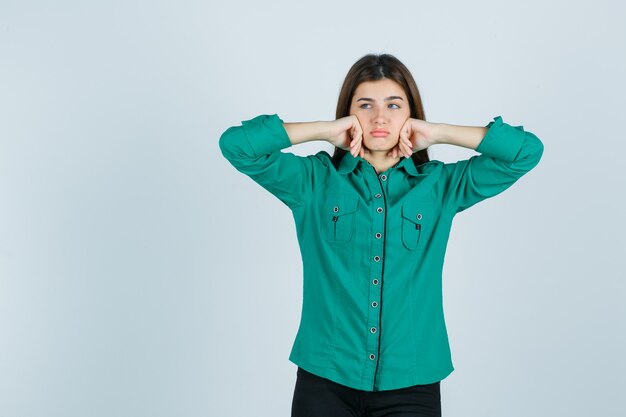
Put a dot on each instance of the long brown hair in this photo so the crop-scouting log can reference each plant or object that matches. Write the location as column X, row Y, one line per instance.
column 374, row 67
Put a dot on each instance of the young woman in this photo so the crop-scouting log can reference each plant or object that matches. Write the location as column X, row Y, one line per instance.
column 373, row 222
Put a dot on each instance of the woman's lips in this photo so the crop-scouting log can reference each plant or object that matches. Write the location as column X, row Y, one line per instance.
column 379, row 133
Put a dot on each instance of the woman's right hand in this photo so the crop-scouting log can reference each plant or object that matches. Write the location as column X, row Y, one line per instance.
column 346, row 133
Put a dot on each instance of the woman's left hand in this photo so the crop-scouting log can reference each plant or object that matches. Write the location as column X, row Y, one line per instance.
column 415, row 135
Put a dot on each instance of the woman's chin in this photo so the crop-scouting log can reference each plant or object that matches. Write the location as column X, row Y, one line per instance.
column 379, row 146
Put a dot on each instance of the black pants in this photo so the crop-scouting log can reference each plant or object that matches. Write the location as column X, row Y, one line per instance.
column 315, row 396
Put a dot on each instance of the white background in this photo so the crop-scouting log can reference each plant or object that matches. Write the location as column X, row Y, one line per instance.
column 142, row 275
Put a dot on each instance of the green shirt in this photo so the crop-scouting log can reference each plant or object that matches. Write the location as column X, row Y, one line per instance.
column 373, row 247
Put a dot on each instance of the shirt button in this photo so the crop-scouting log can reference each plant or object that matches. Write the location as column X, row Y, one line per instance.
column 376, row 258
column 419, row 216
column 378, row 235
column 379, row 209
column 375, row 281
column 374, row 304
column 378, row 195
column 335, row 209
column 372, row 356
column 373, row 330
column 383, row 177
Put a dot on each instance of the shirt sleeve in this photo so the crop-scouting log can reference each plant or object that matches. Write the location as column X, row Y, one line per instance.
column 506, row 154
column 254, row 148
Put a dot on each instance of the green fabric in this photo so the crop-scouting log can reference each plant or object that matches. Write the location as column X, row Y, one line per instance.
column 346, row 244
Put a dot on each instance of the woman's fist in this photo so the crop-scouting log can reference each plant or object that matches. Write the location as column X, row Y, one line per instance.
column 415, row 135
column 346, row 133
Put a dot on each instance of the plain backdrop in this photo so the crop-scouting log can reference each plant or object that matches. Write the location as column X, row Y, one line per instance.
column 142, row 275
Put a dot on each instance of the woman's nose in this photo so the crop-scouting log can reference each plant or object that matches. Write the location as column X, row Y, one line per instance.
column 380, row 116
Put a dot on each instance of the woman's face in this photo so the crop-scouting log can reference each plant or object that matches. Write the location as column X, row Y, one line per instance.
column 380, row 105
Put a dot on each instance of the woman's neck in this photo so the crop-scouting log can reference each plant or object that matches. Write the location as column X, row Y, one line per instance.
column 380, row 161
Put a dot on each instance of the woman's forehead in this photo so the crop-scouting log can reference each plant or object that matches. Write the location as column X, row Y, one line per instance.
column 379, row 89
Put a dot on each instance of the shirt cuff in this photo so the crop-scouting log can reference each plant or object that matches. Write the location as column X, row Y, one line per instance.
column 502, row 140
column 266, row 134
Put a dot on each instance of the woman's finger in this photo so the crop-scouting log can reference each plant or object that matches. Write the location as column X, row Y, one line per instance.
column 407, row 148
column 357, row 147
column 356, row 134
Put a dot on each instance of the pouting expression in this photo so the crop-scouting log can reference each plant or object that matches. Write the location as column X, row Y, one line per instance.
column 382, row 107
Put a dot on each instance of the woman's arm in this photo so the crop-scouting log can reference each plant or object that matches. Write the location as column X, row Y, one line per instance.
column 506, row 154
column 254, row 149
column 465, row 136
column 417, row 134
column 345, row 133
column 300, row 132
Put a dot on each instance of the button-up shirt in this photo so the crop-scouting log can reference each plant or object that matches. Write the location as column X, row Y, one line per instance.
column 373, row 246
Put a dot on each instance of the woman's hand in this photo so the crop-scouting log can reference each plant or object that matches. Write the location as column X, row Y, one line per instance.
column 346, row 133
column 415, row 135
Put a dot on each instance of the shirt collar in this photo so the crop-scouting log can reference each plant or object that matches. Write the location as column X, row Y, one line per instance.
column 349, row 163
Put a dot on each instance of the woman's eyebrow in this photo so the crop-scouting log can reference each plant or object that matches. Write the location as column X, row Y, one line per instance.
column 387, row 99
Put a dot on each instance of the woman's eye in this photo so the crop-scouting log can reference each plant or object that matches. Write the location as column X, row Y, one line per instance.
column 391, row 104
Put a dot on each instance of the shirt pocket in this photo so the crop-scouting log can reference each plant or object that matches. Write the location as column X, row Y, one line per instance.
column 338, row 217
column 416, row 215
